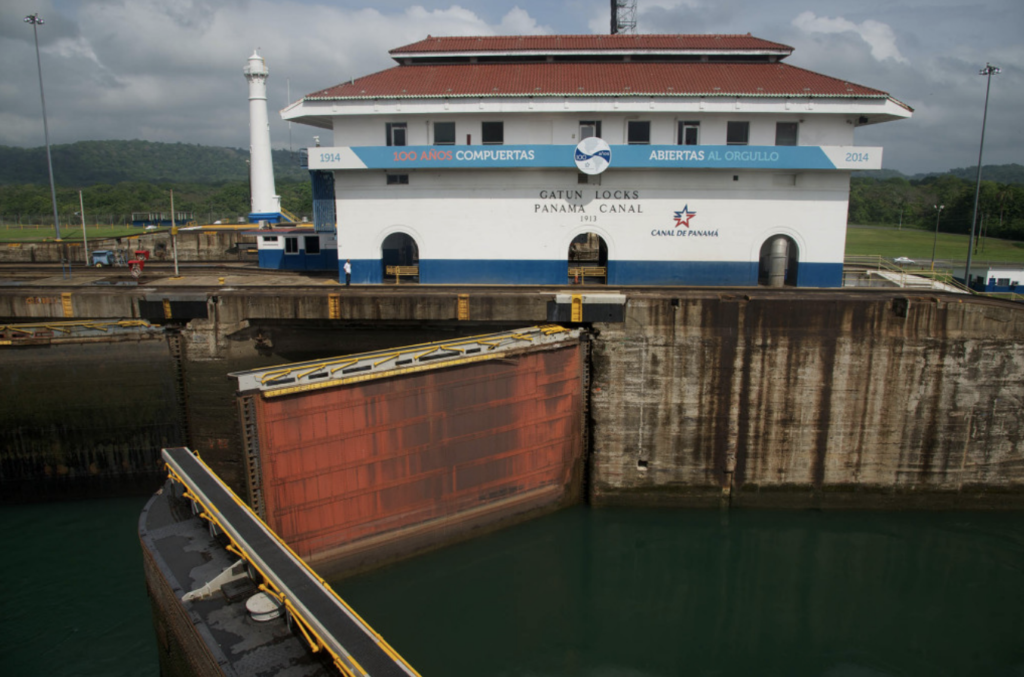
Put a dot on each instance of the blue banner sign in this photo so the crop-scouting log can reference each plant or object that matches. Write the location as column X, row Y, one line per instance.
column 668, row 157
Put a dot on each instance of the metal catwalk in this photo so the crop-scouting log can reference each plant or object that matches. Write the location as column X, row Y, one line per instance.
column 322, row 618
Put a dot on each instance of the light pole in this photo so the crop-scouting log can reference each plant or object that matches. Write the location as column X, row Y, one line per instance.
column 85, row 238
column 935, row 241
column 174, row 237
column 988, row 71
column 36, row 21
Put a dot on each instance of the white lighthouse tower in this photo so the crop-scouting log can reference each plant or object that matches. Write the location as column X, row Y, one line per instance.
column 266, row 206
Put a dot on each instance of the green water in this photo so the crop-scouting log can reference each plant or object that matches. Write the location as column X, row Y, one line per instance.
column 74, row 595
column 598, row 593
column 643, row 592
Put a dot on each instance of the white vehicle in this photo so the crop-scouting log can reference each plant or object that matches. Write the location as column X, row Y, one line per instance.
column 903, row 261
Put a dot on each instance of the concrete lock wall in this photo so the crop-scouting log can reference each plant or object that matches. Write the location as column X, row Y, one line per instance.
column 86, row 418
column 868, row 401
column 183, row 651
column 809, row 398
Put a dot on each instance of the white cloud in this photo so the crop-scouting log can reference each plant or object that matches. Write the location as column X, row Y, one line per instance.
column 878, row 35
column 668, row 4
column 519, row 22
column 600, row 18
column 76, row 48
column 171, row 70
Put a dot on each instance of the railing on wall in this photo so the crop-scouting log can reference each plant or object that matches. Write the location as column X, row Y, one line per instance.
column 878, row 271
column 313, row 608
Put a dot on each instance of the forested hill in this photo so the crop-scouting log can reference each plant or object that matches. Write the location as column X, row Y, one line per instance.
column 1011, row 173
column 87, row 163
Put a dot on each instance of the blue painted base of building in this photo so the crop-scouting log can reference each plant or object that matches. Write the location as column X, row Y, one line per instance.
column 276, row 259
column 620, row 273
column 993, row 288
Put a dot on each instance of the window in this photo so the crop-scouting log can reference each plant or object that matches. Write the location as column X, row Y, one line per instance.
column 689, row 133
column 493, row 133
column 1003, row 282
column 398, row 179
column 396, row 133
column 737, row 133
column 312, row 244
column 785, row 133
column 291, row 245
column 589, row 128
column 638, row 132
column 270, row 238
column 444, row 133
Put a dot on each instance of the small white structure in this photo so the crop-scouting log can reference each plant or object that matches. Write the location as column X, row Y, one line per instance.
column 295, row 248
column 636, row 159
column 266, row 206
column 1006, row 277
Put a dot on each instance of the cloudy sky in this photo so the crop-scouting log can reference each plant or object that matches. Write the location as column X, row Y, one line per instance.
column 171, row 70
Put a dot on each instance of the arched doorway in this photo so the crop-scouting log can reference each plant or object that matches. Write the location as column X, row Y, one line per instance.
column 400, row 259
column 778, row 262
column 588, row 259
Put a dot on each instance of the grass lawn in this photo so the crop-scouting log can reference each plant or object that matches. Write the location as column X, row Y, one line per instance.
column 860, row 241
column 917, row 244
column 67, row 233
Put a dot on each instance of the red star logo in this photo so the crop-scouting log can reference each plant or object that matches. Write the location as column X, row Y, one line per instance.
column 683, row 217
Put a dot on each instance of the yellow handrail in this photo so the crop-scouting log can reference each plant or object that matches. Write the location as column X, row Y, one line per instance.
column 315, row 641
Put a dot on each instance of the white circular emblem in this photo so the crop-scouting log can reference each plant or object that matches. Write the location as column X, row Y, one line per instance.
column 593, row 155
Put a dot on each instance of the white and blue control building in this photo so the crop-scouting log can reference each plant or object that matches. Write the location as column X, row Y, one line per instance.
column 642, row 159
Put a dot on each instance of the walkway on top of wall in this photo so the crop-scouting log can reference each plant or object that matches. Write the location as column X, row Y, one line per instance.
column 323, row 618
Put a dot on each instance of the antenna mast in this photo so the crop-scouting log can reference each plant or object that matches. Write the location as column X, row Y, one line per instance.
column 623, row 16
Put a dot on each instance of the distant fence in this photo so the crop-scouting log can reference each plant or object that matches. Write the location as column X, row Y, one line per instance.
column 72, row 220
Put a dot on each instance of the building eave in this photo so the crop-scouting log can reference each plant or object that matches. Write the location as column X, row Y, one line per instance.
column 591, row 95
column 591, row 53
column 296, row 112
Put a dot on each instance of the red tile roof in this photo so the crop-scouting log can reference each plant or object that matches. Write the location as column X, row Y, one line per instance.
column 561, row 43
column 595, row 79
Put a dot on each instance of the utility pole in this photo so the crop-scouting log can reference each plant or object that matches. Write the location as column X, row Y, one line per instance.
column 174, row 236
column 85, row 238
column 988, row 71
column 36, row 21
column 935, row 241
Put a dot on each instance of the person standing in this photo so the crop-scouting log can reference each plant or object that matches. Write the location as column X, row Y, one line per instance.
column 348, row 272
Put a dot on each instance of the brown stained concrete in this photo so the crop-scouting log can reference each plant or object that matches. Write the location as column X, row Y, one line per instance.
column 87, row 418
column 812, row 400
column 739, row 397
